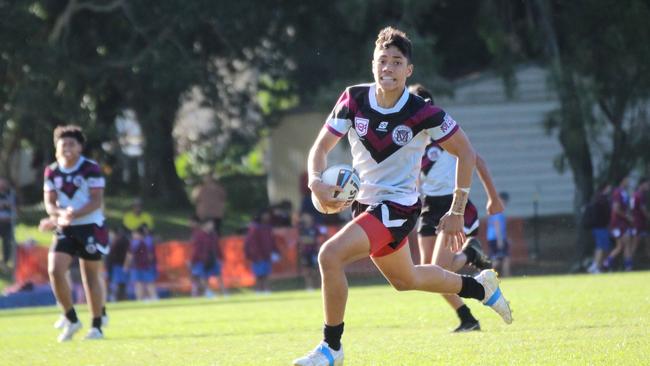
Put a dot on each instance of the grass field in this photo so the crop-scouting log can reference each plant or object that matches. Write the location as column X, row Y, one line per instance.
column 559, row 320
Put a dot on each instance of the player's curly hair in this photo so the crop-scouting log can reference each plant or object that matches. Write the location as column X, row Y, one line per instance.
column 390, row 36
column 73, row 131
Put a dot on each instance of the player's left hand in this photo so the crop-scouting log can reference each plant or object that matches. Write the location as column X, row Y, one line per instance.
column 451, row 227
column 494, row 206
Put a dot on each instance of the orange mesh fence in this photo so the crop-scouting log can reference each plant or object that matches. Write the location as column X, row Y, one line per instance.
column 31, row 264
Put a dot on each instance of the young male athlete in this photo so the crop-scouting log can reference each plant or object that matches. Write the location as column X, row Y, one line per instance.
column 73, row 197
column 437, row 186
column 388, row 129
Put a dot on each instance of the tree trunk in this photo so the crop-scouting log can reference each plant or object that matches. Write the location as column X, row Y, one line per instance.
column 161, row 181
column 619, row 162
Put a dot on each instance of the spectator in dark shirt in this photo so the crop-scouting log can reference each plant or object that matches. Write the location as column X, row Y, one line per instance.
column 115, row 262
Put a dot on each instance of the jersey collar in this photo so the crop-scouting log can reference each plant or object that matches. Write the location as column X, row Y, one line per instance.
column 372, row 96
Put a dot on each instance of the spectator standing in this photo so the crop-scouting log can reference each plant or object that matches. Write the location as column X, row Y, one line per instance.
column 115, row 263
column 7, row 221
column 206, row 259
column 640, row 216
column 308, row 244
column 141, row 261
column 597, row 219
column 210, row 201
column 137, row 217
column 620, row 223
column 260, row 249
column 497, row 237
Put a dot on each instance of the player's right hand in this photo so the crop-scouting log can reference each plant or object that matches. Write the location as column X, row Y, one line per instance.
column 46, row 224
column 325, row 194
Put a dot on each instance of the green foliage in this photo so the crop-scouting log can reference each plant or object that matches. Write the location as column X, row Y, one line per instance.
column 559, row 320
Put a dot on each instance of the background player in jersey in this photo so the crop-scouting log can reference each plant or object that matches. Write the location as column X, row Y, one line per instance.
column 620, row 223
column 437, row 185
column 388, row 129
column 73, row 197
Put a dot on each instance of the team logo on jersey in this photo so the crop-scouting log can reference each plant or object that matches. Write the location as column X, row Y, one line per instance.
column 402, row 134
column 77, row 181
column 433, row 153
column 58, row 182
column 361, row 126
column 383, row 126
column 447, row 123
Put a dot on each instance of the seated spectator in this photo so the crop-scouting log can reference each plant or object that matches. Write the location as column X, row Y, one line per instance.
column 206, row 258
column 141, row 260
column 115, row 263
column 136, row 217
column 260, row 249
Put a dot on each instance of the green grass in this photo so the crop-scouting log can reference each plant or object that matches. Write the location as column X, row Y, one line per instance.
column 559, row 320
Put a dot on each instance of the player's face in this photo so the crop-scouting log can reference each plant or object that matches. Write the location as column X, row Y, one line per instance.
column 68, row 149
column 391, row 69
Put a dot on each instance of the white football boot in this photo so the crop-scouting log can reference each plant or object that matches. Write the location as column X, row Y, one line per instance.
column 322, row 355
column 94, row 333
column 68, row 331
column 61, row 322
column 493, row 296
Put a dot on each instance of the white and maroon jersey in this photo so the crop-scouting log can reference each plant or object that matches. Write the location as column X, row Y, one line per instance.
column 388, row 143
column 438, row 174
column 73, row 187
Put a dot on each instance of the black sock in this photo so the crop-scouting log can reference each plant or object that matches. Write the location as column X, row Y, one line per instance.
column 97, row 323
column 471, row 289
column 103, row 310
column 465, row 315
column 470, row 253
column 333, row 335
column 71, row 315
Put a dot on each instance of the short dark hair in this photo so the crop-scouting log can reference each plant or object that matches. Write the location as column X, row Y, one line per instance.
column 421, row 91
column 72, row 131
column 390, row 36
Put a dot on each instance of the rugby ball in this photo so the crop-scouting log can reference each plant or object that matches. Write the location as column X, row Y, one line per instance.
column 344, row 176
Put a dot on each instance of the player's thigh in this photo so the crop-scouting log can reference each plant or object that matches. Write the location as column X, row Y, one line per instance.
column 426, row 244
column 90, row 270
column 58, row 263
column 442, row 255
column 347, row 245
column 398, row 268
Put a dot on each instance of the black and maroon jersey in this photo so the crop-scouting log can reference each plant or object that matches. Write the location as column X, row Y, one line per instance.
column 73, row 187
column 388, row 143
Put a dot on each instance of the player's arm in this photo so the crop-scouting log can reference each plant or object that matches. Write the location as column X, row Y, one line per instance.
column 316, row 164
column 494, row 204
column 452, row 222
column 51, row 207
column 95, row 203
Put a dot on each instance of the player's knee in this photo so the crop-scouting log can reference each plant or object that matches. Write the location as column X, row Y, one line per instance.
column 327, row 257
column 403, row 284
column 56, row 270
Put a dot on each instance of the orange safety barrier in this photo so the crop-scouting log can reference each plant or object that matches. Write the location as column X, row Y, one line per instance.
column 173, row 258
column 31, row 264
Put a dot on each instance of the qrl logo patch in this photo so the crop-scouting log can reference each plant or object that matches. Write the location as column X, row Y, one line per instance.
column 447, row 123
column 361, row 126
column 402, row 134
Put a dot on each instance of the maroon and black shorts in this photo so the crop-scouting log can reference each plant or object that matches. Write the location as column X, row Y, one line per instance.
column 88, row 242
column 435, row 207
column 387, row 224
